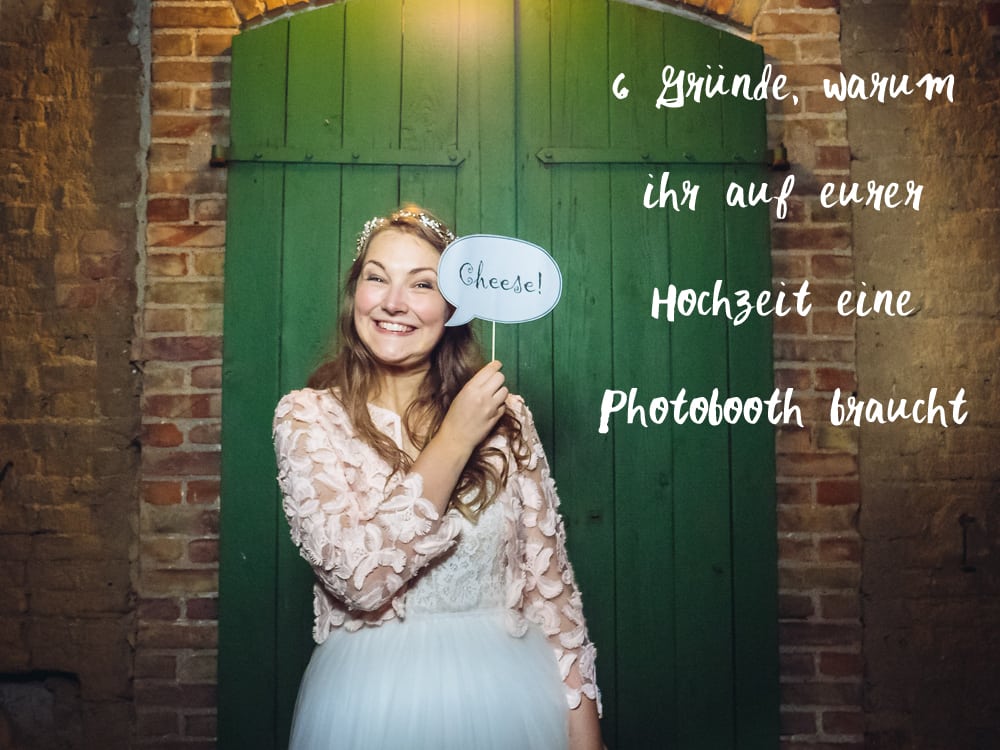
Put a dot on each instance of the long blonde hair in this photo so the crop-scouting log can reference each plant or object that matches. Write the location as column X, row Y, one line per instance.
column 353, row 377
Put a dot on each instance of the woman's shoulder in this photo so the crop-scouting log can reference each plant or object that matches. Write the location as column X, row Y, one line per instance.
column 308, row 405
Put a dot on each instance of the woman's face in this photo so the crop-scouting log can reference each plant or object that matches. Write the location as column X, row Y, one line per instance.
column 398, row 311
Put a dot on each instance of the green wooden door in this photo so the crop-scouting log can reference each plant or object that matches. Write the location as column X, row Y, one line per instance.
column 500, row 118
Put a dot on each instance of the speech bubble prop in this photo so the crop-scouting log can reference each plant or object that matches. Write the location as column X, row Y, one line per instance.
column 495, row 278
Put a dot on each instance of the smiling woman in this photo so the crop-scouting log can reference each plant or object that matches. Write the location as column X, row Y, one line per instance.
column 447, row 614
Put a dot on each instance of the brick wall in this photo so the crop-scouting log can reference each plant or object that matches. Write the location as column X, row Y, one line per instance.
column 181, row 330
column 83, row 577
column 70, row 103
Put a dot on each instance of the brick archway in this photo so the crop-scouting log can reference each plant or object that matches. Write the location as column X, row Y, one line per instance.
column 739, row 14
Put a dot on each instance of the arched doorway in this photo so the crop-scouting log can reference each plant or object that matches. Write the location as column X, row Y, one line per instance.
column 500, row 117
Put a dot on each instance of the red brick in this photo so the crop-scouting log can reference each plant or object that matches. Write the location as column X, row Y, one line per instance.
column 172, row 44
column 830, row 378
column 156, row 723
column 168, row 209
column 821, row 694
column 188, row 126
column 816, row 519
column 840, row 549
column 839, row 606
column 187, row 235
column 203, row 551
column 176, row 182
column 164, row 98
column 166, row 264
column 161, row 435
column 797, row 23
column 828, row 266
column 796, row 664
column 807, row 577
column 155, row 665
column 211, row 44
column 202, row 16
column 799, row 378
column 843, row 722
column 162, row 493
column 203, row 608
column 180, row 406
column 184, row 292
column 212, row 98
column 183, row 349
column 205, row 434
column 817, row 465
column 209, row 209
column 206, row 376
column 151, row 693
column 816, row 102
column 838, row 664
column 838, row 492
column 202, row 492
column 830, row 323
column 248, row 8
column 785, row 266
column 796, row 550
column 810, row 74
column 190, row 71
column 792, row 439
column 804, row 350
column 790, row 325
column 798, row 722
column 793, row 493
column 159, row 609
column 833, row 157
column 795, row 606
column 180, row 463
column 176, row 635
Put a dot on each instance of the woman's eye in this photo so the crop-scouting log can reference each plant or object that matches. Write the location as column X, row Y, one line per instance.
column 424, row 285
column 373, row 277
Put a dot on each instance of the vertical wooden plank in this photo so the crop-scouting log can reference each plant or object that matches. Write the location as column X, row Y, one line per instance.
column 534, row 198
column 310, row 282
column 754, row 544
column 247, row 667
column 316, row 79
column 644, row 559
column 429, row 100
column 699, row 363
column 373, row 68
column 485, row 188
column 582, row 323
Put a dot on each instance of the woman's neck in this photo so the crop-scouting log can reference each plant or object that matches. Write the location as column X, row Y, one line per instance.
column 396, row 391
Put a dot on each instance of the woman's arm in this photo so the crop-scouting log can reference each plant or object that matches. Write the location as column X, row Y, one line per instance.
column 363, row 543
column 584, row 727
column 550, row 595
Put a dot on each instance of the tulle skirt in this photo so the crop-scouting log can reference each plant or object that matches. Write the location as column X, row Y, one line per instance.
column 443, row 681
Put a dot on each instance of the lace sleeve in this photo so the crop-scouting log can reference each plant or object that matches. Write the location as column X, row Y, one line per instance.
column 363, row 541
column 551, row 598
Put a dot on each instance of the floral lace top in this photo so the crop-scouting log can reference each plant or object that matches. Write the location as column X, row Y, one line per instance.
column 366, row 533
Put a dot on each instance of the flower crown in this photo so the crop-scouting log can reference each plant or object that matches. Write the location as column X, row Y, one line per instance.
column 378, row 222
